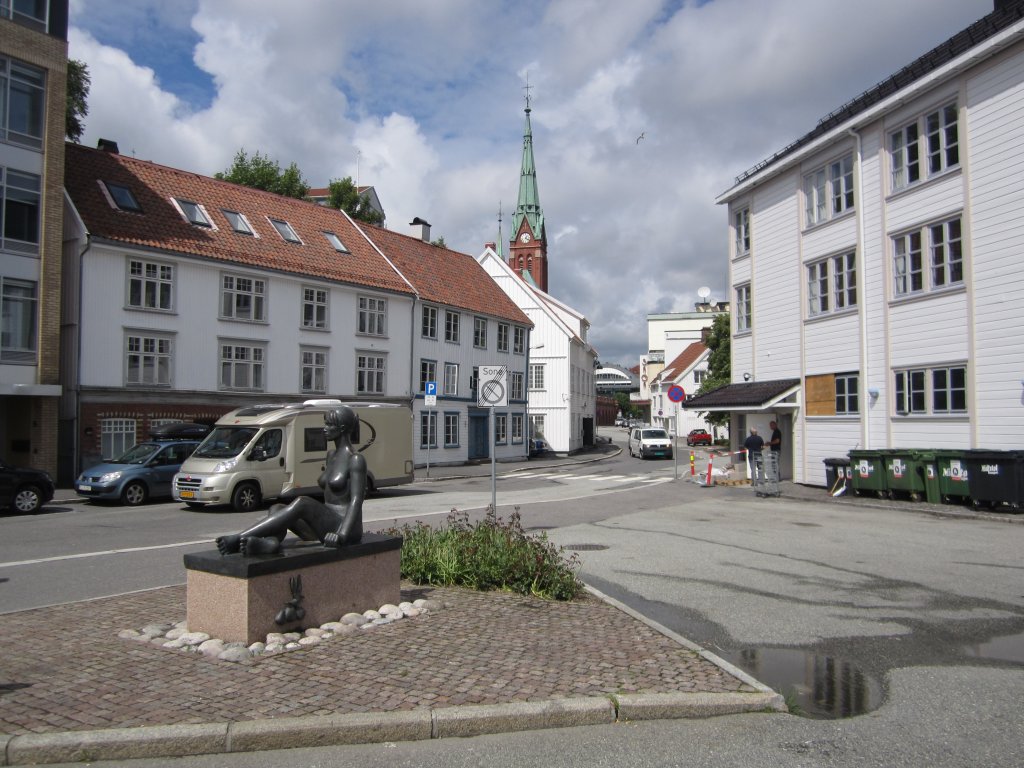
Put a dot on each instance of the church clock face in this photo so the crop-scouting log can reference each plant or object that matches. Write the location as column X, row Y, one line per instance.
column 525, row 237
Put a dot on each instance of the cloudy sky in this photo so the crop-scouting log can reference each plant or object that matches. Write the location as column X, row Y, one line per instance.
column 423, row 99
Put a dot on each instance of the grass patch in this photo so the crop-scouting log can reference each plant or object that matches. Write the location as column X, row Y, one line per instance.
column 492, row 554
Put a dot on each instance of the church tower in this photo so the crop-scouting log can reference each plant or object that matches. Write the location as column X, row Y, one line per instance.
column 528, row 249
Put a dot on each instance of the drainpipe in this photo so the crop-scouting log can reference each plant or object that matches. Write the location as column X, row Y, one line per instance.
column 861, row 277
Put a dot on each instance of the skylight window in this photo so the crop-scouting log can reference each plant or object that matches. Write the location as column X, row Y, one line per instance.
column 335, row 242
column 193, row 212
column 285, row 230
column 238, row 222
column 123, row 197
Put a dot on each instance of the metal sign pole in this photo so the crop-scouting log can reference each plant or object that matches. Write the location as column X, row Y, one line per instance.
column 494, row 471
column 429, row 418
column 675, row 442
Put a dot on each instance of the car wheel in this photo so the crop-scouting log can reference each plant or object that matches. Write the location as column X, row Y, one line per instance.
column 134, row 494
column 27, row 500
column 246, row 497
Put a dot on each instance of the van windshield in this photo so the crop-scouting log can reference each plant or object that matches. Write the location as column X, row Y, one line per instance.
column 654, row 434
column 225, row 442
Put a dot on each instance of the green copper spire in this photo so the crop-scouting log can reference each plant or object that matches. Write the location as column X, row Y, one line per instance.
column 529, row 199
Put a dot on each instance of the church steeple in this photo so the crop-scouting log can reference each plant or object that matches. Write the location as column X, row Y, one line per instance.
column 528, row 247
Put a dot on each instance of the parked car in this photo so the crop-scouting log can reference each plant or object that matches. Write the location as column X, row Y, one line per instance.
column 650, row 441
column 143, row 472
column 24, row 490
column 620, row 421
column 699, row 437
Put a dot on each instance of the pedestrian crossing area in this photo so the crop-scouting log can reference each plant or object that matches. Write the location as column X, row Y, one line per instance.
column 602, row 477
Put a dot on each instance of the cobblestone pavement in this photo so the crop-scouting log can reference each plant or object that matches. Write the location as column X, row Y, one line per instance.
column 63, row 668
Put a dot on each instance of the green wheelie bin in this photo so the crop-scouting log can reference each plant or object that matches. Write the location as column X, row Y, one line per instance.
column 952, row 469
column 904, row 473
column 930, row 474
column 868, row 470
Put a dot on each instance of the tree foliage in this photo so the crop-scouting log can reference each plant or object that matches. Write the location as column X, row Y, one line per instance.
column 77, row 105
column 719, row 341
column 260, row 172
column 344, row 195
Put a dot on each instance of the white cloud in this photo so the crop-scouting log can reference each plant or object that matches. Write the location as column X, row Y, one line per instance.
column 430, row 95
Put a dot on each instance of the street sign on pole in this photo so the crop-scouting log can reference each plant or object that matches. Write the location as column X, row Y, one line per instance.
column 676, row 393
column 493, row 387
column 430, row 394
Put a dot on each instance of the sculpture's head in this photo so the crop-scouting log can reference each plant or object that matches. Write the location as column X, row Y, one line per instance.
column 344, row 419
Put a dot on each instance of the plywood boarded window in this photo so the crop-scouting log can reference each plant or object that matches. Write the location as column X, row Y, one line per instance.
column 820, row 392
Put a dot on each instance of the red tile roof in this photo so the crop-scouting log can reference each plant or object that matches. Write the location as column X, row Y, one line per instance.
column 682, row 361
column 446, row 277
column 162, row 227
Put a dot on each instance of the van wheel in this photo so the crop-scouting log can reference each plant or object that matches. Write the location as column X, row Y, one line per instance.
column 133, row 494
column 246, row 497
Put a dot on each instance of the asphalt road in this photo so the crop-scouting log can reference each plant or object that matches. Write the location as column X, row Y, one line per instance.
column 915, row 620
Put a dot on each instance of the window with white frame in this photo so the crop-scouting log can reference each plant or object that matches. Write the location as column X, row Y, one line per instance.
column 831, row 284
column 517, row 428
column 314, row 307
column 238, row 222
column 242, row 366
column 942, row 243
column 373, row 316
column 699, row 376
column 451, row 430
column 428, row 325
column 934, row 135
column 194, row 212
column 122, row 197
column 847, row 394
column 503, row 337
column 924, row 391
column 284, row 229
column 30, row 13
column 243, row 298
column 741, row 225
column 743, row 308
column 519, row 341
column 536, row 375
column 516, row 385
column 150, row 285
column 313, row 370
column 428, row 429
column 116, row 436
column 148, row 359
column 828, row 191
column 370, row 373
column 428, row 372
column 451, row 326
column 480, row 332
column 451, row 379
column 536, row 425
column 22, row 102
column 18, row 308
column 21, row 211
column 500, row 428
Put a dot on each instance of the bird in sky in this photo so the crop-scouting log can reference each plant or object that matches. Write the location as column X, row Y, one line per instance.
column 640, row 136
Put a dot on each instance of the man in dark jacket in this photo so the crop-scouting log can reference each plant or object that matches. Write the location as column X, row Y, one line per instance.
column 754, row 443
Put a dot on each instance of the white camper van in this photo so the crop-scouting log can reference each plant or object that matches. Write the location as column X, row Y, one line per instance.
column 264, row 452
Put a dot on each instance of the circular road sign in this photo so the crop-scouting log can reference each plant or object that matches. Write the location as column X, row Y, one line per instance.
column 676, row 393
column 492, row 392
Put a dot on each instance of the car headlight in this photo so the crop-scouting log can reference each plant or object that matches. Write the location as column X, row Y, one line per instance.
column 110, row 477
column 225, row 466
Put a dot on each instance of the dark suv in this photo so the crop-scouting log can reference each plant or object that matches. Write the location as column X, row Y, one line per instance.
column 699, row 437
column 24, row 490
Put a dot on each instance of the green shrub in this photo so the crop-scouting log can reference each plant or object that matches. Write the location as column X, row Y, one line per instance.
column 490, row 554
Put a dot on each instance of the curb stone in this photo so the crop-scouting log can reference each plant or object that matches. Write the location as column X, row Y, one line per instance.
column 674, row 706
column 328, row 730
column 477, row 720
column 116, row 744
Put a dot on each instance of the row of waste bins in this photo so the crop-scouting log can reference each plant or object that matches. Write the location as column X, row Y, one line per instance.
column 979, row 477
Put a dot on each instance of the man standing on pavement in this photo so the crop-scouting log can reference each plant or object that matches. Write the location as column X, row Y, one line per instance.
column 776, row 440
column 754, row 444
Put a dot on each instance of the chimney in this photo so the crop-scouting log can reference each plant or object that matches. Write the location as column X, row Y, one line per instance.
column 108, row 146
column 424, row 226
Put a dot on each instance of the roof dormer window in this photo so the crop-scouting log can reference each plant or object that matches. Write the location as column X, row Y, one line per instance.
column 284, row 229
column 335, row 242
column 238, row 222
column 193, row 212
column 122, row 197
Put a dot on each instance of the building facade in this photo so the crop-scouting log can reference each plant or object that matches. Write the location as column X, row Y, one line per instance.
column 33, row 81
column 875, row 264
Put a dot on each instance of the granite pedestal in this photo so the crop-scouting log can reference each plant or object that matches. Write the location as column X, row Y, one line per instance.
column 236, row 597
